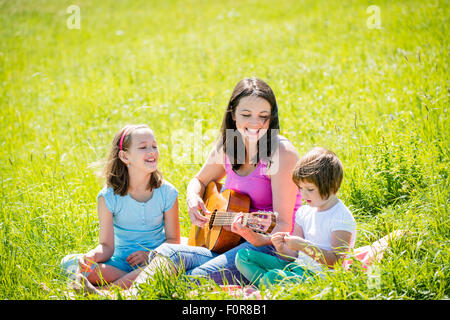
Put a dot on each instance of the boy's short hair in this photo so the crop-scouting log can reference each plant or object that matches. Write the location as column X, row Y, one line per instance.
column 321, row 167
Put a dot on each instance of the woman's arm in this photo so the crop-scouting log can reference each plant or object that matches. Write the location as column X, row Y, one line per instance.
column 284, row 195
column 172, row 224
column 212, row 170
column 284, row 190
column 105, row 248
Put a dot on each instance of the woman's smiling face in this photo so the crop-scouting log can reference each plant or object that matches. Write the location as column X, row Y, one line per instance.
column 252, row 117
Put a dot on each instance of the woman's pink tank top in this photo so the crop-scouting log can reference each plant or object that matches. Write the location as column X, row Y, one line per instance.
column 257, row 186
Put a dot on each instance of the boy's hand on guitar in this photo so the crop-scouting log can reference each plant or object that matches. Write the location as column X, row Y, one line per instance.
column 278, row 241
column 195, row 204
column 292, row 242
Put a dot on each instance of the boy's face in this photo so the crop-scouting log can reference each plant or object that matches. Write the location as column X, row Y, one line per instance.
column 310, row 193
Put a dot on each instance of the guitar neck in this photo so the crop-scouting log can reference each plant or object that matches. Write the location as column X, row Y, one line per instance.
column 261, row 221
column 223, row 218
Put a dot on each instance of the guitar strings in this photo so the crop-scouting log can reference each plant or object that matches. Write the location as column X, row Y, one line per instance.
column 221, row 221
column 224, row 218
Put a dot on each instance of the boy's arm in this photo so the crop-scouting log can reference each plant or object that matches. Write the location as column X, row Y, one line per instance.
column 340, row 241
column 281, row 247
column 278, row 240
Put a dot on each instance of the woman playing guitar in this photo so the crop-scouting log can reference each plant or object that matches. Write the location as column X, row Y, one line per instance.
column 256, row 161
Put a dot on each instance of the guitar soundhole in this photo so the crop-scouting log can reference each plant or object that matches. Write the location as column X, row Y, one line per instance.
column 211, row 219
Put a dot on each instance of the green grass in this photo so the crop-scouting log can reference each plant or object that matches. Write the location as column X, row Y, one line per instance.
column 378, row 98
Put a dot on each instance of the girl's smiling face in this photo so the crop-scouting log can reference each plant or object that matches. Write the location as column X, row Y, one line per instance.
column 252, row 117
column 143, row 152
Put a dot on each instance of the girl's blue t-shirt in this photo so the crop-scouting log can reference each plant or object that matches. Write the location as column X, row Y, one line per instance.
column 139, row 225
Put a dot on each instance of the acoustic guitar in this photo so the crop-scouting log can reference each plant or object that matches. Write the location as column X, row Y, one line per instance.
column 216, row 235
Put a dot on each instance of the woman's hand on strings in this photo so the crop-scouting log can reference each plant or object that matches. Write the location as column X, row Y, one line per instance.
column 195, row 204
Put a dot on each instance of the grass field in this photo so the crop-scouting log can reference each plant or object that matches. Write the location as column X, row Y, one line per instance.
column 378, row 97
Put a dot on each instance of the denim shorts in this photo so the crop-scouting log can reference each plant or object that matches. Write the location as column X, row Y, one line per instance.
column 119, row 259
column 69, row 264
column 200, row 262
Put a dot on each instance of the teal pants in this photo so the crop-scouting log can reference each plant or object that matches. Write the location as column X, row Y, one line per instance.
column 264, row 269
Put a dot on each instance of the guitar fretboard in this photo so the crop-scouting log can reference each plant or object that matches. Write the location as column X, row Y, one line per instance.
column 221, row 218
column 261, row 222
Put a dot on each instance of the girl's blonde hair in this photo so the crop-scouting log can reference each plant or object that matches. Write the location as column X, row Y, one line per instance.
column 116, row 172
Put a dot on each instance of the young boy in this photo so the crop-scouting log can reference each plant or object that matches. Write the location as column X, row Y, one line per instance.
column 324, row 228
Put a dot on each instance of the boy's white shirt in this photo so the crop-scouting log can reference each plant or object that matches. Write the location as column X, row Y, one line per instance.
column 317, row 227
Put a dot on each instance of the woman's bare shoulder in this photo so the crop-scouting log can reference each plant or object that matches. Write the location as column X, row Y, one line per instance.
column 284, row 158
column 286, row 149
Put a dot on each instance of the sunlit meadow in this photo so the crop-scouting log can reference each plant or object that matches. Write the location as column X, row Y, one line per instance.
column 370, row 84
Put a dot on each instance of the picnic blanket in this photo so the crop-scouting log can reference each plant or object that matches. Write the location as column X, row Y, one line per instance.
column 374, row 252
column 367, row 255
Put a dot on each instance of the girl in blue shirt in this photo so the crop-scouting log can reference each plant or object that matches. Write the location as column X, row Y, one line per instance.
column 137, row 210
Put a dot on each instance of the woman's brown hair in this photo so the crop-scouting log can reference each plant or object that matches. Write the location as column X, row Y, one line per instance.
column 233, row 143
column 116, row 172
